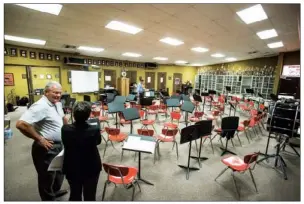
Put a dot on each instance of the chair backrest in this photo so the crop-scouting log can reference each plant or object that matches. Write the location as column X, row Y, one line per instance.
column 162, row 106
column 198, row 114
column 146, row 132
column 205, row 127
column 229, row 126
column 153, row 107
column 112, row 131
column 261, row 107
column 215, row 112
column 246, row 123
column 169, row 132
column 141, row 113
column 110, row 97
column 115, row 170
column 251, row 158
column 253, row 112
column 175, row 116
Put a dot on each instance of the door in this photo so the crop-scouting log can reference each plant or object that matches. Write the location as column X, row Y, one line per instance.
column 132, row 75
column 177, row 82
column 150, row 80
column 161, row 80
column 15, row 83
column 40, row 76
column 109, row 78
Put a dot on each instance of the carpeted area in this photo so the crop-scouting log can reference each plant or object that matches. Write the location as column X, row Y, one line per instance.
column 169, row 180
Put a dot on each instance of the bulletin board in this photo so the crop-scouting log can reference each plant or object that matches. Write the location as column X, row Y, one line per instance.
column 9, row 79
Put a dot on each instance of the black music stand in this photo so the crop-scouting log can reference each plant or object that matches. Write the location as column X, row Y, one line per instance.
column 116, row 108
column 119, row 99
column 146, row 102
column 211, row 92
column 228, row 89
column 203, row 94
column 229, row 127
column 131, row 97
column 189, row 134
column 198, row 98
column 205, row 128
column 188, row 107
column 172, row 102
column 87, row 98
column 185, row 97
column 249, row 91
column 231, row 107
column 131, row 114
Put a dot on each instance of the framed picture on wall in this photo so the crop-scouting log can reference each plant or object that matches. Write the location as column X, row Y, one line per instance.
column 85, row 61
column 5, row 51
column 23, row 76
column 57, row 57
column 98, row 62
column 89, row 61
column 23, row 53
column 103, row 62
column 9, row 79
column 41, row 56
column 13, row 52
column 32, row 55
column 49, row 56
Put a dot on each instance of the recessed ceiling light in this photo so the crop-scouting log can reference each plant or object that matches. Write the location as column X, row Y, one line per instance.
column 24, row 40
column 266, row 34
column 196, row 64
column 171, row 41
column 180, row 62
column 90, row 49
column 200, row 49
column 230, row 59
column 116, row 25
column 161, row 58
column 218, row 55
column 252, row 14
column 131, row 54
column 275, row 45
column 46, row 8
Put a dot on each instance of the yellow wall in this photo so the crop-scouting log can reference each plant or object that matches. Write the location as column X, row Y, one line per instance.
column 20, row 84
column 188, row 72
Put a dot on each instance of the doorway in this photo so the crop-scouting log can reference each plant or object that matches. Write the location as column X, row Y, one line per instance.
column 132, row 75
column 150, row 80
column 161, row 80
column 177, row 82
column 109, row 78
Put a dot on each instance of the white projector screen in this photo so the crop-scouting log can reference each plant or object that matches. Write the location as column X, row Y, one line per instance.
column 84, row 81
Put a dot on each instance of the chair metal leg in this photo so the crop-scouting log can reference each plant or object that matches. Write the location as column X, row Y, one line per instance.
column 252, row 178
column 138, row 185
column 104, row 190
column 196, row 146
column 104, row 152
column 247, row 136
column 154, row 129
column 231, row 141
column 223, row 171
column 133, row 191
column 121, row 155
column 221, row 141
column 211, row 145
column 295, row 150
column 237, row 134
column 235, row 185
column 176, row 149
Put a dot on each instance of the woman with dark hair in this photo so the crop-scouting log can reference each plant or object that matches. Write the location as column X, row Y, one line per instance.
column 82, row 163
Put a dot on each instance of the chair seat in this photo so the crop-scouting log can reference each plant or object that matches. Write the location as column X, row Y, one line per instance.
column 211, row 118
column 103, row 118
column 235, row 163
column 170, row 125
column 194, row 119
column 162, row 111
column 218, row 130
column 118, row 138
column 152, row 111
column 241, row 128
column 164, row 138
column 129, row 178
column 148, row 122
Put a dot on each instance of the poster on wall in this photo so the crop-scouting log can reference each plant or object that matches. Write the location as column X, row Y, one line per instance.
column 41, row 56
column 23, row 76
column 23, row 53
column 57, row 57
column 33, row 55
column 49, row 56
column 9, row 79
column 291, row 71
column 13, row 52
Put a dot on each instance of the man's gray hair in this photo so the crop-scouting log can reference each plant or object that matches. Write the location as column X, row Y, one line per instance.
column 52, row 84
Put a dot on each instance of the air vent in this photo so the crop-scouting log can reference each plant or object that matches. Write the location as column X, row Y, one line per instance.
column 70, row 46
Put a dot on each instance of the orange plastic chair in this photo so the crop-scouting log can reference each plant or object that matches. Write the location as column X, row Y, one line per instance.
column 146, row 132
column 119, row 174
column 236, row 164
column 114, row 135
column 244, row 128
column 175, row 117
column 197, row 116
column 146, row 122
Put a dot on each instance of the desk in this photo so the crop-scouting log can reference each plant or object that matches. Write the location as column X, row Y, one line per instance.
column 140, row 143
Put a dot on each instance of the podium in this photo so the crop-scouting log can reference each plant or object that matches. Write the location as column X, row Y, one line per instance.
column 131, row 114
column 115, row 108
column 189, row 134
column 123, row 86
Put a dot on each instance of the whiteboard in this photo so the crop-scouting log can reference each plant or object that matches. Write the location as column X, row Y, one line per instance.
column 84, row 81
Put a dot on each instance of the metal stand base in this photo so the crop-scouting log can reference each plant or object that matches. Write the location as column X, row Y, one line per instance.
column 188, row 170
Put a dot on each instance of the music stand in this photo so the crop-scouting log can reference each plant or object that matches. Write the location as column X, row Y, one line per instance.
column 185, row 97
column 188, row 134
column 188, row 107
column 87, row 98
column 211, row 92
column 231, row 107
column 205, row 128
column 115, row 108
column 119, row 99
column 249, row 91
column 198, row 98
column 172, row 102
column 144, row 102
column 131, row 114
column 131, row 97
column 204, row 94
column 229, row 127
column 228, row 89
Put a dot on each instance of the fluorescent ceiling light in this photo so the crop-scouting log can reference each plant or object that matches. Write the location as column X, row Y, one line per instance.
column 130, row 54
column 90, row 49
column 196, row 64
column 266, row 34
column 24, row 40
column 230, row 59
column 171, row 41
column 275, row 45
column 116, row 25
column 161, row 58
column 180, row 62
column 199, row 49
column 218, row 55
column 46, row 8
column 252, row 14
